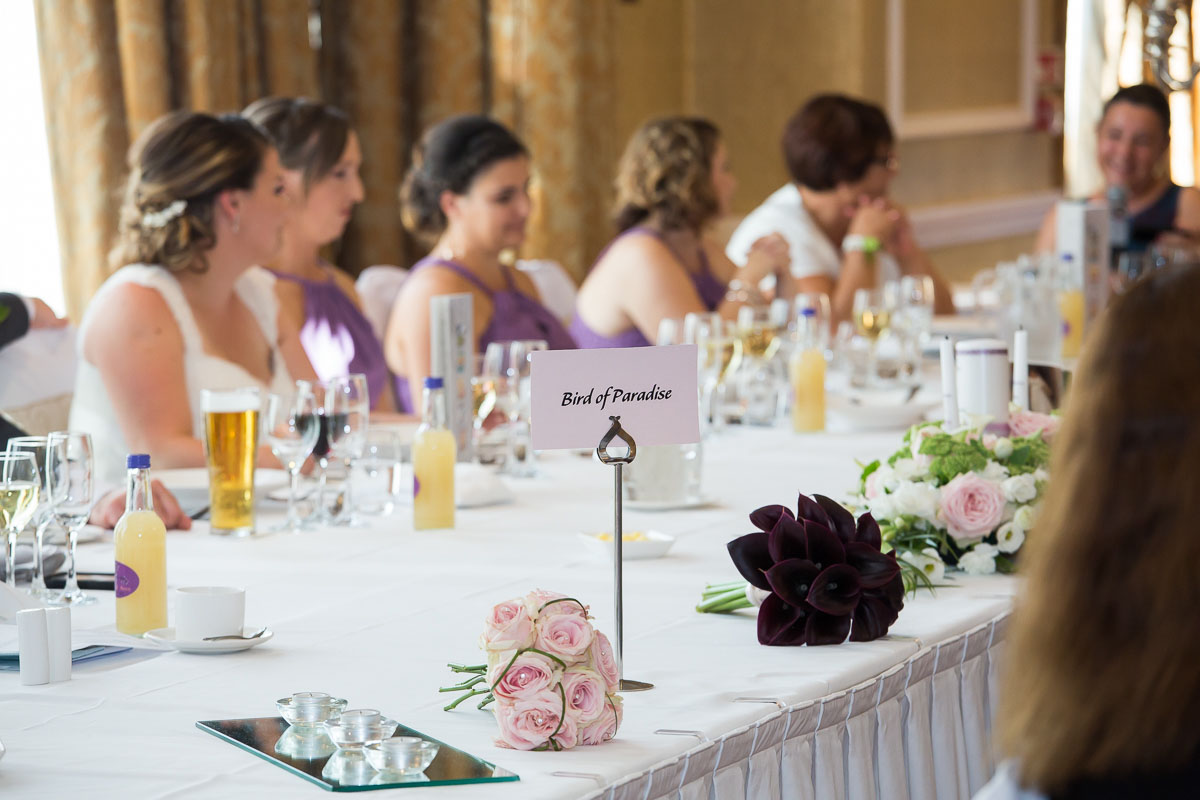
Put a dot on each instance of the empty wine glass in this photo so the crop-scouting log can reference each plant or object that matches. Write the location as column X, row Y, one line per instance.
column 347, row 412
column 43, row 516
column 291, row 427
column 19, row 485
column 69, row 481
column 520, row 461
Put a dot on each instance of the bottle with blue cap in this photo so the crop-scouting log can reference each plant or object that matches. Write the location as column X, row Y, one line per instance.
column 140, row 550
column 433, row 454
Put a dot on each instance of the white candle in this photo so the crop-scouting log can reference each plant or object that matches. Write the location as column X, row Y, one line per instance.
column 949, row 391
column 1020, row 375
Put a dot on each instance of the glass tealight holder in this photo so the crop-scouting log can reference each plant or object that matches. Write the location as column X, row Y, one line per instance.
column 348, row 768
column 310, row 709
column 359, row 727
column 305, row 744
column 402, row 755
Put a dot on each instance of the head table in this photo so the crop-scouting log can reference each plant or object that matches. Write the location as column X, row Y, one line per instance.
column 373, row 614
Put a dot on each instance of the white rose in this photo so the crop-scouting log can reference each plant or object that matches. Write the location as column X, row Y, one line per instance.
column 1010, row 537
column 882, row 507
column 1040, row 475
column 906, row 469
column 1003, row 447
column 1025, row 517
column 916, row 499
column 1020, row 488
column 994, row 471
column 979, row 560
column 928, row 561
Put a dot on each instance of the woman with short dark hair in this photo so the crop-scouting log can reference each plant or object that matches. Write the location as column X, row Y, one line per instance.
column 843, row 231
column 1132, row 141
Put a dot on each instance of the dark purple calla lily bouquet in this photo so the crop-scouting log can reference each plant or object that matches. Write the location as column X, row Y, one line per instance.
column 819, row 573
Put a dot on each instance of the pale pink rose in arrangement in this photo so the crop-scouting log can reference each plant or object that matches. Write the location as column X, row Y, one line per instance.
column 585, row 690
column 528, row 675
column 568, row 733
column 537, row 601
column 604, row 661
column 566, row 636
column 874, row 486
column 972, row 507
column 605, row 727
column 1027, row 423
column 508, row 627
column 989, row 440
column 528, row 723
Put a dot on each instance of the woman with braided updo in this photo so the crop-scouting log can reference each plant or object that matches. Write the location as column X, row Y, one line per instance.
column 185, row 311
column 674, row 179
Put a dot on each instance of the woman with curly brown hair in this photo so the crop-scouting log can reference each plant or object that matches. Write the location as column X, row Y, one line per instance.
column 205, row 201
column 1101, row 688
column 674, row 179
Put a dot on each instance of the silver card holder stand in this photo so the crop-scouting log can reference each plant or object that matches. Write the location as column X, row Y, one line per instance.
column 618, row 463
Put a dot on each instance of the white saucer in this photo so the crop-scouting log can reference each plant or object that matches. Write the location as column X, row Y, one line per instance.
column 655, row 545
column 670, row 505
column 167, row 636
column 866, row 415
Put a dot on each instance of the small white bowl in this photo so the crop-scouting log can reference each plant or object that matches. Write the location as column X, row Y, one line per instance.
column 655, row 545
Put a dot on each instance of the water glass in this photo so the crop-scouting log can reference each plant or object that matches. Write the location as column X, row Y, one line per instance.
column 347, row 412
column 43, row 515
column 291, row 426
column 492, row 405
column 70, row 467
column 20, row 483
column 379, row 473
column 520, row 462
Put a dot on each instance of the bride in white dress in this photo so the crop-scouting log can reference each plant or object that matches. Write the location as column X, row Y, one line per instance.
column 186, row 310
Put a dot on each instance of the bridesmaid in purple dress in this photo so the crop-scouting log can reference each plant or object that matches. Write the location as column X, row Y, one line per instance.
column 673, row 181
column 467, row 193
column 321, row 156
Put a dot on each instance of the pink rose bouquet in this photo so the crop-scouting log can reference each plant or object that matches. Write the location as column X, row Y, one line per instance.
column 551, row 678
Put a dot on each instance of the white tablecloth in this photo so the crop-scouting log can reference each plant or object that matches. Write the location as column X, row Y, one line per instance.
column 374, row 614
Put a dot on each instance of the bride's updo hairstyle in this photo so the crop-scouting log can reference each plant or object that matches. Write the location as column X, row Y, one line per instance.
column 667, row 170
column 449, row 157
column 177, row 167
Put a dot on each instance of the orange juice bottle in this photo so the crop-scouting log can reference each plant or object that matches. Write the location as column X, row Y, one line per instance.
column 806, row 369
column 140, row 550
column 433, row 456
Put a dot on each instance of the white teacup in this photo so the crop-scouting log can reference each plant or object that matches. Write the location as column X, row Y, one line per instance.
column 203, row 611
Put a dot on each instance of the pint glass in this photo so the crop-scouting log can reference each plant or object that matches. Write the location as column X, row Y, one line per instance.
column 230, row 445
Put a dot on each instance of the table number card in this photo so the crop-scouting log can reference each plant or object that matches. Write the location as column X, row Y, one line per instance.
column 652, row 389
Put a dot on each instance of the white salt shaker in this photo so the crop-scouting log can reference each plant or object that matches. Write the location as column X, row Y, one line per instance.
column 983, row 379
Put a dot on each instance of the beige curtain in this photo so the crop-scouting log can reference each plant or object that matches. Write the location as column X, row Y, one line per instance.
column 396, row 66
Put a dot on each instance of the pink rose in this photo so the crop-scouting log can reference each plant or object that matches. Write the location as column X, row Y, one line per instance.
column 605, row 726
column 971, row 507
column 528, row 723
column 537, row 602
column 507, row 627
column 528, row 675
column 585, row 689
column 874, row 486
column 568, row 734
column 989, row 440
column 604, row 661
column 567, row 636
column 1027, row 423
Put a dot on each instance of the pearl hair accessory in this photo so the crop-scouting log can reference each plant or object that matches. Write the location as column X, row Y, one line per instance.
column 159, row 219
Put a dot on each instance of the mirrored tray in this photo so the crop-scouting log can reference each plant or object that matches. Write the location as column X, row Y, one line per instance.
column 261, row 735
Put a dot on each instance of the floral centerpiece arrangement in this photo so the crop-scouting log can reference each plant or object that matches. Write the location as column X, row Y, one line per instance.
column 818, row 576
column 550, row 678
column 965, row 498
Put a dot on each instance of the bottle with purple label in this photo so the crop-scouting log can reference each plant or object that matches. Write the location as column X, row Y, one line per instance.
column 140, row 549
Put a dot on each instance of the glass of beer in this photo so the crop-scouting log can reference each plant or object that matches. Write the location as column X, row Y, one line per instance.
column 230, row 445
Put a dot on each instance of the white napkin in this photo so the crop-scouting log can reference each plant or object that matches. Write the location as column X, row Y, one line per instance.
column 476, row 485
column 52, row 559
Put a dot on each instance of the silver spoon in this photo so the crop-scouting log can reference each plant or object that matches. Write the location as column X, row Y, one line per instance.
column 254, row 635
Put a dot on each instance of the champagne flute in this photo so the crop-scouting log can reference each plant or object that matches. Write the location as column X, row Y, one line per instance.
column 69, row 481
column 43, row 515
column 871, row 314
column 347, row 412
column 19, row 485
column 292, row 426
column 490, row 390
column 520, row 461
